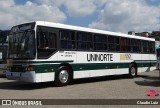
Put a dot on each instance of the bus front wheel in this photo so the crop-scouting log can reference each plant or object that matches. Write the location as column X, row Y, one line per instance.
column 62, row 76
column 132, row 71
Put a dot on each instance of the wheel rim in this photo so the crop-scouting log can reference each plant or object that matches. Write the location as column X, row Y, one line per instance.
column 63, row 76
column 133, row 71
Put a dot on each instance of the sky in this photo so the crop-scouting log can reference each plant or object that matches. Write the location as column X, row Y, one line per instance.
column 111, row 15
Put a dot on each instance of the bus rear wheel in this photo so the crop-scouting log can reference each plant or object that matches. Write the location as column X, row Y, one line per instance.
column 62, row 76
column 132, row 71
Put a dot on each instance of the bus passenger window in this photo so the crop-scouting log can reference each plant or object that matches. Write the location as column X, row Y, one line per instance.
column 100, row 42
column 67, row 39
column 152, row 47
column 145, row 46
column 84, row 41
column 117, row 44
column 125, row 44
column 111, row 42
column 46, row 40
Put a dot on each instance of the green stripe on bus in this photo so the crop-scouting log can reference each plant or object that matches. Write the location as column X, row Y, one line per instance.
column 89, row 66
column 45, row 68
column 98, row 66
column 144, row 61
column 42, row 61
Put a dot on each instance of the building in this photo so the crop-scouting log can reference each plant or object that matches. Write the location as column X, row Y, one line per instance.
column 156, row 35
column 145, row 34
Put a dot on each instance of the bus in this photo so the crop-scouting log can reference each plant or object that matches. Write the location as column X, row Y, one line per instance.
column 43, row 51
column 3, row 50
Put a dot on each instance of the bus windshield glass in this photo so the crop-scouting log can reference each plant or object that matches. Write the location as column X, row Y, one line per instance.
column 22, row 44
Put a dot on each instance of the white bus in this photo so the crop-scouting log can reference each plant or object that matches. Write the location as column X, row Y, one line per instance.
column 44, row 51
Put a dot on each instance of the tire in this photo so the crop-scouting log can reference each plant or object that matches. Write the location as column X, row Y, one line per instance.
column 62, row 76
column 132, row 71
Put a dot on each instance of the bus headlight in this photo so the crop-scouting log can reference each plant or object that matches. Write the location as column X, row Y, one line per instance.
column 30, row 68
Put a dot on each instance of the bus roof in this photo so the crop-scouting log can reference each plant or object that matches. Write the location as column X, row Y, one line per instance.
column 84, row 29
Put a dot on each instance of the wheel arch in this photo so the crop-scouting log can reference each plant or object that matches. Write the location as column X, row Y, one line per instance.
column 134, row 63
column 67, row 65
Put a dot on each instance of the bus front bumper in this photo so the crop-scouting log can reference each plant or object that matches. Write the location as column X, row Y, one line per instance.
column 21, row 76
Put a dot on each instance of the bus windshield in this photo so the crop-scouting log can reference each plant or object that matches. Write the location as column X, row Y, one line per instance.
column 22, row 45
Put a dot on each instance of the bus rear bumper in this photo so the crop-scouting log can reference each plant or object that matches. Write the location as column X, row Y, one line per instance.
column 21, row 76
